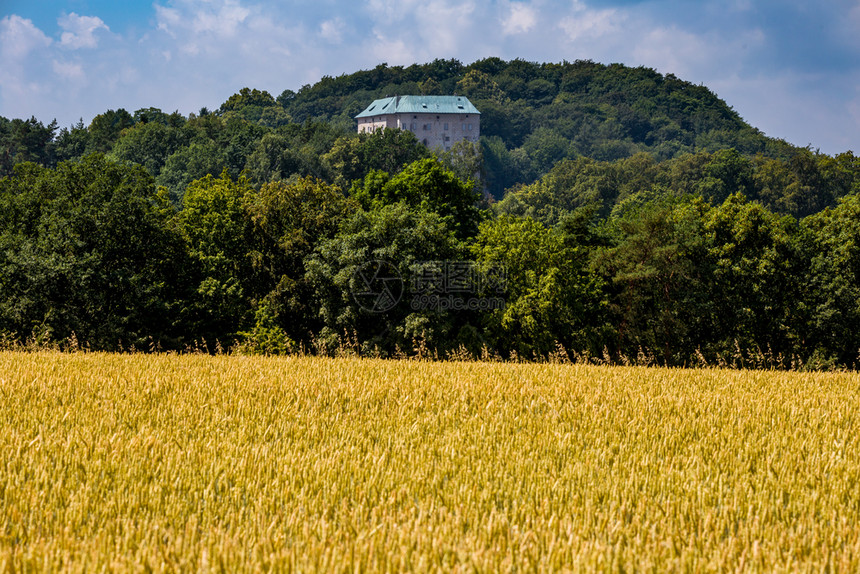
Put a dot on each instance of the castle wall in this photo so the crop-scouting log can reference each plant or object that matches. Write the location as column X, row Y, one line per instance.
column 433, row 130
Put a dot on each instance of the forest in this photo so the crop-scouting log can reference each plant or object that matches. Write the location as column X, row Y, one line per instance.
column 619, row 214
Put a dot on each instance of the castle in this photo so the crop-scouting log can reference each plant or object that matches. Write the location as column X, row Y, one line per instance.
column 437, row 121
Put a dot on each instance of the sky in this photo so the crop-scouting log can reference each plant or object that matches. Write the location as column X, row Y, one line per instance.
column 789, row 67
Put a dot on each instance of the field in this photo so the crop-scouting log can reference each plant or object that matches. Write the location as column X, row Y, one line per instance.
column 198, row 463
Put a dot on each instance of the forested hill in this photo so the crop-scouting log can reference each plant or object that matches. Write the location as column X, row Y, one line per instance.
column 533, row 116
column 605, row 112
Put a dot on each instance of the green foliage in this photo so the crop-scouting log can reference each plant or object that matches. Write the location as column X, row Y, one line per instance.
column 636, row 213
column 550, row 296
column 429, row 185
column 217, row 232
column 755, row 301
column 255, row 106
column 88, row 250
column 352, row 157
column 148, row 144
column 267, row 337
column 290, row 220
column 833, row 244
column 25, row 141
column 71, row 143
column 105, row 129
column 803, row 185
column 657, row 284
column 381, row 249
column 557, row 110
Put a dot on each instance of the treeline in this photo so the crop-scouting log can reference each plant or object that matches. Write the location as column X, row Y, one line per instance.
column 95, row 250
column 532, row 116
column 638, row 216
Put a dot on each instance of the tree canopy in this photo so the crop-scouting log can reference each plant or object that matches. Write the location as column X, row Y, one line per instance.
column 607, row 211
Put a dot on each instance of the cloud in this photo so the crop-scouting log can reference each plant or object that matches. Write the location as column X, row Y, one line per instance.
column 521, row 19
column 204, row 26
column 73, row 71
column 332, row 30
column 19, row 37
column 184, row 54
column 587, row 24
column 222, row 22
column 21, row 43
column 80, row 31
column 695, row 57
column 394, row 51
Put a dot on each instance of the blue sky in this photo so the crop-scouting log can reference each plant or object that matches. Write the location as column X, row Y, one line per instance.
column 790, row 68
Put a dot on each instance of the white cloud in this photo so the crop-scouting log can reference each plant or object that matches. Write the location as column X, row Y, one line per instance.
column 19, row 37
column 80, row 31
column 223, row 21
column 394, row 51
column 192, row 53
column 203, row 26
column 422, row 30
column 69, row 70
column 21, row 43
column 168, row 19
column 332, row 30
column 521, row 19
column 221, row 18
column 588, row 24
column 695, row 57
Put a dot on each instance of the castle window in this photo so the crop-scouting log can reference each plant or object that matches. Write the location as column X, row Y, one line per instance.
column 446, row 127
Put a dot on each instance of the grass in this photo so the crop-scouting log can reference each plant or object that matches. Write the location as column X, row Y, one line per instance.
column 197, row 463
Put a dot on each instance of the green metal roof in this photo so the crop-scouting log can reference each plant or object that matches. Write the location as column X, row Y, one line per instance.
column 419, row 105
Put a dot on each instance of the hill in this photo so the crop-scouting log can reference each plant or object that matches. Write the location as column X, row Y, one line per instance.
column 534, row 115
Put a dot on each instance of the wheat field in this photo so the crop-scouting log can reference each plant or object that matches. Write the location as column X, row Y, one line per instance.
column 134, row 462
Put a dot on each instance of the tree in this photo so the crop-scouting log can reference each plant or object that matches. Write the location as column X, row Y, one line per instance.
column 187, row 164
column 478, row 85
column 217, row 231
column 756, row 296
column 255, row 106
column 72, row 143
column 551, row 297
column 726, row 173
column 290, row 220
column 106, row 128
column 571, row 184
column 88, row 249
column 149, row 144
column 466, row 162
column 428, row 184
column 25, row 141
column 833, row 281
column 352, row 157
column 657, row 275
column 363, row 279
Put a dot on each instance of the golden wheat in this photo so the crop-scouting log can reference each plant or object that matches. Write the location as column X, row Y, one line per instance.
column 228, row 463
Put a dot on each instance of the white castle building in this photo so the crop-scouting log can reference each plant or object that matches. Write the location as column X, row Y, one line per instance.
column 437, row 121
